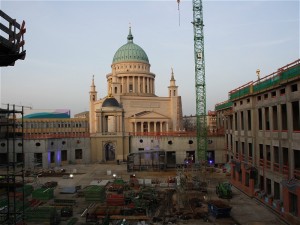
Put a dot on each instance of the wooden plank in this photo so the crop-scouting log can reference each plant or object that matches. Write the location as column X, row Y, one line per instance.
column 137, row 217
column 6, row 29
column 9, row 19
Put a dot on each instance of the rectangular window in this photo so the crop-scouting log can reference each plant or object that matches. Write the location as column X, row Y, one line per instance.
column 261, row 182
column 249, row 119
column 258, row 98
column 269, row 190
column 285, row 153
column 20, row 158
column 243, row 148
column 242, row 120
column 52, row 157
column 240, row 176
column 297, row 159
column 276, row 154
column 250, row 150
column 247, row 179
column 64, row 155
column 38, row 159
column 236, row 147
column 268, row 151
column 235, row 121
column 293, row 204
column 296, row 116
column 276, row 190
column 78, row 153
column 275, row 119
column 267, row 118
column 273, row 94
column 261, row 151
column 282, row 91
column 259, row 119
column 266, row 96
column 284, row 117
column 294, row 87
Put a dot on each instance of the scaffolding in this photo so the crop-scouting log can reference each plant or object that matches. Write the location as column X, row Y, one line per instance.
column 12, row 42
column 12, row 191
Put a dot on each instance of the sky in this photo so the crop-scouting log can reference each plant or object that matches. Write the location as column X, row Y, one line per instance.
column 67, row 42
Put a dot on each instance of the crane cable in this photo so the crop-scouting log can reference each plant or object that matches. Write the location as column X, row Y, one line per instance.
column 178, row 2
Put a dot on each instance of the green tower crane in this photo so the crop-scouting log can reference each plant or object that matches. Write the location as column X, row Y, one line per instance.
column 200, row 81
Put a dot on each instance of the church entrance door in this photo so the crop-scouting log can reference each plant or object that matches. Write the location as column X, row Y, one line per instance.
column 109, row 149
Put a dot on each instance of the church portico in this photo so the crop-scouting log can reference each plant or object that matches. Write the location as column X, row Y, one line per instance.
column 152, row 126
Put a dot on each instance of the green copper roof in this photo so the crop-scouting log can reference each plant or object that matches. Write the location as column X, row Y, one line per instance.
column 130, row 52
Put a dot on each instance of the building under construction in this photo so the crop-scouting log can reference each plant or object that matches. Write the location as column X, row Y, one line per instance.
column 262, row 135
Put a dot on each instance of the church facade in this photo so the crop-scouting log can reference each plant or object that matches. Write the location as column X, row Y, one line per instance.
column 131, row 107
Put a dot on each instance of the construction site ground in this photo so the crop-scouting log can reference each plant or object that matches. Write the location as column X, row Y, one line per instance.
column 244, row 211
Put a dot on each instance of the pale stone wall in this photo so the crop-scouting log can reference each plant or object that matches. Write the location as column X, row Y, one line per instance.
column 180, row 145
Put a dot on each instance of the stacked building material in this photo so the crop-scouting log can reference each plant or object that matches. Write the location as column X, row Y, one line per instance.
column 107, row 210
column 43, row 194
column 94, row 193
column 42, row 215
column 115, row 199
column 118, row 185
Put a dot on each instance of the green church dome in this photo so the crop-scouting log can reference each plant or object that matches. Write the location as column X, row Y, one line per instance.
column 130, row 52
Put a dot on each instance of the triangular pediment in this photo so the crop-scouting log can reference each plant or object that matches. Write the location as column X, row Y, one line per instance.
column 148, row 115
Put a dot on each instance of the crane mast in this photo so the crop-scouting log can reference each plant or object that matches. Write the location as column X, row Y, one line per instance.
column 200, row 81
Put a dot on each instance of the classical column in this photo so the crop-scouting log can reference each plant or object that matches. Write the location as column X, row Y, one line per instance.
column 133, row 85
column 135, row 127
column 148, row 85
column 115, row 124
column 123, row 86
column 144, row 85
column 97, row 123
column 155, row 127
column 167, row 126
column 139, row 84
column 100, row 123
column 153, row 86
column 127, row 84
column 161, row 126
column 148, row 127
